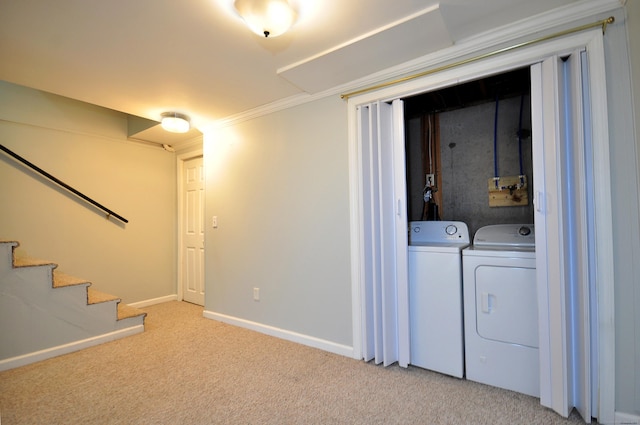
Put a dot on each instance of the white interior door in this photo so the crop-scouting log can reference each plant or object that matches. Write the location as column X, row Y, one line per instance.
column 192, row 231
column 562, row 215
column 385, row 312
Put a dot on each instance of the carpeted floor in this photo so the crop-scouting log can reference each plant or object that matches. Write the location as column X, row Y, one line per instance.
column 185, row 369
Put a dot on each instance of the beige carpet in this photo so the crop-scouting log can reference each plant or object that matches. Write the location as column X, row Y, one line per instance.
column 185, row 369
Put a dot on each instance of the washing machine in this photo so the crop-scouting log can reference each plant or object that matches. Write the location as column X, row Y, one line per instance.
column 501, row 308
column 435, row 295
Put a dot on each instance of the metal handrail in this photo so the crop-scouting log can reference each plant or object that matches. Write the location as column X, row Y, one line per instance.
column 63, row 184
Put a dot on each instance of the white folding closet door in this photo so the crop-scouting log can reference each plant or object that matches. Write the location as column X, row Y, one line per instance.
column 579, row 216
column 401, row 232
column 367, row 118
column 562, row 214
column 385, row 316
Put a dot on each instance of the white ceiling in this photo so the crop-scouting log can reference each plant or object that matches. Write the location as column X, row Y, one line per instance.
column 145, row 57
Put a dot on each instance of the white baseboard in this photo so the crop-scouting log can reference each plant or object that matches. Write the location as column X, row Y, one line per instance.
column 627, row 419
column 307, row 340
column 153, row 301
column 48, row 353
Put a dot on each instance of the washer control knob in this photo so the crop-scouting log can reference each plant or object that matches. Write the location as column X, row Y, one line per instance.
column 451, row 229
column 524, row 231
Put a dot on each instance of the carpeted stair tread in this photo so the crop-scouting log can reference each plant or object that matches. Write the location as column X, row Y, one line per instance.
column 95, row 297
column 126, row 311
column 61, row 280
column 31, row 262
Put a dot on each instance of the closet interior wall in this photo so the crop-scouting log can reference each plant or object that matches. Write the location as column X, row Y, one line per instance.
column 463, row 139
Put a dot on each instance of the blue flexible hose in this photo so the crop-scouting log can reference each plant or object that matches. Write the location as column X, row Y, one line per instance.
column 520, row 132
column 520, row 135
column 495, row 142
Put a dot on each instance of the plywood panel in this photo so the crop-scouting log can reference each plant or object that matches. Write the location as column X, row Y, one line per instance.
column 508, row 191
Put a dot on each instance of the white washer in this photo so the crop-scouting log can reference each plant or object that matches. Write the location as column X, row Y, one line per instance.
column 435, row 295
column 501, row 308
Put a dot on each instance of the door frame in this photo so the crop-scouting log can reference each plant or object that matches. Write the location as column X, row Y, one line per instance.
column 180, row 161
column 523, row 57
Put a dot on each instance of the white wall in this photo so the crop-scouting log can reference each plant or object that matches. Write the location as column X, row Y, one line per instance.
column 85, row 146
column 634, row 37
column 279, row 187
column 625, row 162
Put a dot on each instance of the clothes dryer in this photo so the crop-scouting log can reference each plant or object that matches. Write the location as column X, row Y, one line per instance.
column 435, row 295
column 501, row 309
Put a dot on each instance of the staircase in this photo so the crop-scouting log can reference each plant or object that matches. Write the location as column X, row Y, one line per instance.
column 45, row 313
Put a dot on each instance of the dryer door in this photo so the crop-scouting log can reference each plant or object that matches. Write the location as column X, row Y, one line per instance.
column 506, row 304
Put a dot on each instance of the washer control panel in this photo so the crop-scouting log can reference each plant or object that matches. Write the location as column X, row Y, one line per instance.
column 421, row 232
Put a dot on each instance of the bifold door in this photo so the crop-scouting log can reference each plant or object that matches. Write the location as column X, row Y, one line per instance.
column 562, row 216
column 385, row 310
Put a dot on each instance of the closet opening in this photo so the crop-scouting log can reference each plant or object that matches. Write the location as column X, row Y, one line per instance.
column 465, row 142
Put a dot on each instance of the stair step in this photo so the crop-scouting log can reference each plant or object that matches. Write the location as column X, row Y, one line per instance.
column 126, row 311
column 31, row 262
column 61, row 280
column 95, row 297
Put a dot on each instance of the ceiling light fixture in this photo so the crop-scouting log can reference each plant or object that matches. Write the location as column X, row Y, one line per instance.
column 175, row 122
column 270, row 18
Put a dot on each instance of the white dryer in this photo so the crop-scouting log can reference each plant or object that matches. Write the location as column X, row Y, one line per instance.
column 435, row 295
column 501, row 308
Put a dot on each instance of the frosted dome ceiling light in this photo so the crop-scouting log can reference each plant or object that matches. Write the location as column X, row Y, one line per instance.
column 175, row 122
column 270, row 18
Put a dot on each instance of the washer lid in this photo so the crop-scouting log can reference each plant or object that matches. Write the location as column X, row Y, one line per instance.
column 506, row 235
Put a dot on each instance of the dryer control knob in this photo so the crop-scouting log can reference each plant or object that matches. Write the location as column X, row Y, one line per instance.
column 451, row 229
column 524, row 230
